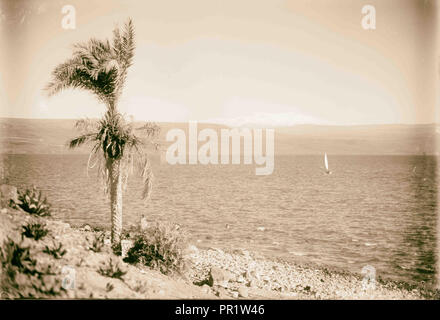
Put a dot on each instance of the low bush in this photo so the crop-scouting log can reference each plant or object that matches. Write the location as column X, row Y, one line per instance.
column 117, row 249
column 160, row 247
column 98, row 229
column 32, row 201
column 130, row 232
column 22, row 277
column 109, row 287
column 57, row 251
column 112, row 270
column 34, row 231
column 97, row 242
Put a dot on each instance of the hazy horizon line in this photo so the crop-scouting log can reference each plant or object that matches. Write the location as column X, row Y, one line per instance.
column 250, row 123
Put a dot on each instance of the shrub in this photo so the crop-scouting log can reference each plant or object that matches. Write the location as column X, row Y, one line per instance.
column 112, row 270
column 21, row 275
column 98, row 229
column 117, row 249
column 109, row 287
column 32, row 201
column 57, row 251
column 126, row 234
column 98, row 242
column 34, row 231
column 129, row 232
column 159, row 247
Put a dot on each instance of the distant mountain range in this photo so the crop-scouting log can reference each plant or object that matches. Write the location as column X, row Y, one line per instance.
column 49, row 136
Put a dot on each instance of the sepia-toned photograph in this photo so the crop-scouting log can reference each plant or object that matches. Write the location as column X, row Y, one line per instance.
column 219, row 150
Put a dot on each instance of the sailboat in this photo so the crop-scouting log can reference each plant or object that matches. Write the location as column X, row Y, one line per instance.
column 326, row 164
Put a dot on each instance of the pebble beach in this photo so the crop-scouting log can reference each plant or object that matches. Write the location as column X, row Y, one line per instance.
column 209, row 274
column 249, row 273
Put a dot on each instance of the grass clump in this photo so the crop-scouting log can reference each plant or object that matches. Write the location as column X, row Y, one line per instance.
column 57, row 251
column 109, row 287
column 32, row 201
column 34, row 231
column 159, row 247
column 22, row 277
column 97, row 242
column 112, row 270
column 117, row 249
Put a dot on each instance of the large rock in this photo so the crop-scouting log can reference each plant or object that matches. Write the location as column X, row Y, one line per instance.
column 192, row 249
column 220, row 277
column 8, row 193
column 222, row 293
column 206, row 288
column 243, row 292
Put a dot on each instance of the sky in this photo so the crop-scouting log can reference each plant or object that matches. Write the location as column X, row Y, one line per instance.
column 271, row 63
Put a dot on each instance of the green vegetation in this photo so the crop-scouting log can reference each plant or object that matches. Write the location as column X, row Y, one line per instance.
column 101, row 67
column 117, row 249
column 32, row 201
column 98, row 242
column 23, row 277
column 109, row 287
column 160, row 247
column 34, row 231
column 112, row 270
column 57, row 251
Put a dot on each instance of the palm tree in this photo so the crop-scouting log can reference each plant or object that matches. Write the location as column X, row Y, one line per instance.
column 100, row 67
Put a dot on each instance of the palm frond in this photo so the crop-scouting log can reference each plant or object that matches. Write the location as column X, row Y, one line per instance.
column 123, row 47
column 100, row 162
column 82, row 139
column 128, row 44
column 79, row 72
column 87, row 125
column 97, row 66
column 100, row 67
column 147, row 176
column 97, row 158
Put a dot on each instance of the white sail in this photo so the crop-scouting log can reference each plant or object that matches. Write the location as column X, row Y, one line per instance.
column 326, row 162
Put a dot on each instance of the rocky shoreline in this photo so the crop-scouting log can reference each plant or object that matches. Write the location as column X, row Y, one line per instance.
column 248, row 275
column 209, row 274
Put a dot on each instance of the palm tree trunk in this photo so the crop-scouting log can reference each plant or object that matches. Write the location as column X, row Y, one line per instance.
column 115, row 188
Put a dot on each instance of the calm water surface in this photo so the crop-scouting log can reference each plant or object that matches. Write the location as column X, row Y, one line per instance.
column 373, row 210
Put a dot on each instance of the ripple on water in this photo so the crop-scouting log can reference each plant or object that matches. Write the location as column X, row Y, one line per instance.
column 374, row 209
